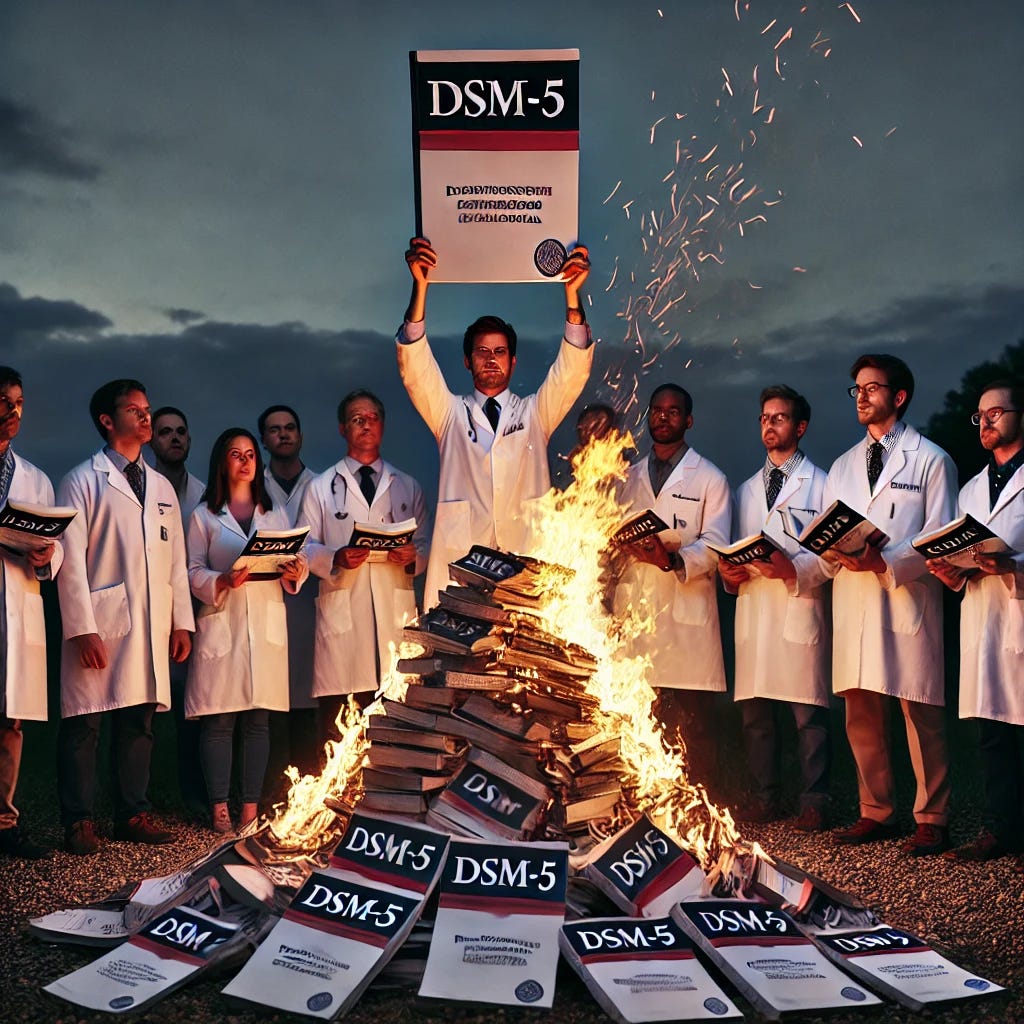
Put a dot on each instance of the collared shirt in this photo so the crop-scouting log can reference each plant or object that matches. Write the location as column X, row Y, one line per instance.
column 888, row 442
column 786, row 469
column 501, row 399
column 999, row 476
column 121, row 462
column 287, row 485
column 355, row 466
column 660, row 470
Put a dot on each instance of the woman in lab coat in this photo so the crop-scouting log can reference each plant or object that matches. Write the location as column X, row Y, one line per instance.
column 239, row 668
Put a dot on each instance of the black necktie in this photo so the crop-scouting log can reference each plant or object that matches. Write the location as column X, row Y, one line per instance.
column 493, row 412
column 875, row 463
column 776, row 478
column 137, row 479
column 366, row 484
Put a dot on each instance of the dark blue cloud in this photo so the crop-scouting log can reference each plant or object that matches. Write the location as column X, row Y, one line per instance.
column 29, row 143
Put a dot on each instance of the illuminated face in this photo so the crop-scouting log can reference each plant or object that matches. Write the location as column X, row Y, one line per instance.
column 877, row 402
column 281, row 435
column 490, row 363
column 12, row 401
column 780, row 432
column 363, row 429
column 240, row 458
column 667, row 419
column 171, row 441
column 1005, row 431
column 131, row 423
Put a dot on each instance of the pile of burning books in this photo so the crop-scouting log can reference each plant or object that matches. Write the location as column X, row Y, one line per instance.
column 497, row 738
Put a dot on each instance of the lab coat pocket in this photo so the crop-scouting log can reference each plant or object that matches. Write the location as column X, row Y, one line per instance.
column 692, row 607
column 334, row 612
column 213, row 635
column 1013, row 629
column 906, row 608
column 277, row 624
column 803, row 621
column 33, row 622
column 744, row 619
column 110, row 610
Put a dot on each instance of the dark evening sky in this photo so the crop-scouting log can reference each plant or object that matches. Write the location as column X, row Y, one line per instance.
column 215, row 198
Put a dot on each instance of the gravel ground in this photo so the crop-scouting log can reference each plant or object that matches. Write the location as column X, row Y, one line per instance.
column 974, row 914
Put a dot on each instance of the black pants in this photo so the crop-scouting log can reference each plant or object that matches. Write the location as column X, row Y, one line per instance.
column 131, row 749
column 1002, row 773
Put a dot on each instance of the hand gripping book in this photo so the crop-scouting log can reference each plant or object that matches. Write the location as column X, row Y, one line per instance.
column 643, row 969
column 777, row 968
column 839, row 529
column 638, row 526
column 381, row 538
column 959, row 541
column 267, row 550
column 347, row 921
column 901, row 966
column 644, row 871
column 171, row 950
column 25, row 526
column 496, row 933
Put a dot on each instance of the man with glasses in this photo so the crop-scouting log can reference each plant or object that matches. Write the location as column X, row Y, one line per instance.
column 887, row 608
column 125, row 605
column 781, row 636
column 671, row 576
column 364, row 601
column 992, row 625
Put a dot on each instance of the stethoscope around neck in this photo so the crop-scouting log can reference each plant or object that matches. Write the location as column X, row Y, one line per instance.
column 338, row 514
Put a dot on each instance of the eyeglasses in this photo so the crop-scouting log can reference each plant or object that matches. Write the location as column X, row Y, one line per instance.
column 868, row 389
column 364, row 421
column 776, row 419
column 990, row 416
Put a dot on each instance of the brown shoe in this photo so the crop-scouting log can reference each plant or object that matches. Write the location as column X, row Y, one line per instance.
column 985, row 847
column 811, row 819
column 142, row 829
column 81, row 839
column 866, row 830
column 926, row 841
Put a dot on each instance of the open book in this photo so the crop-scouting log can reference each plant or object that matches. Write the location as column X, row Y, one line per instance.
column 838, row 530
column 28, row 527
column 267, row 550
column 746, row 552
column 381, row 538
column 959, row 541
column 637, row 526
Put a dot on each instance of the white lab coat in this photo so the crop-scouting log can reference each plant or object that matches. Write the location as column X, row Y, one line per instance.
column 240, row 657
column 781, row 634
column 300, row 608
column 887, row 630
column 359, row 611
column 992, row 615
column 124, row 577
column 24, row 633
column 685, row 644
column 194, row 491
column 484, row 495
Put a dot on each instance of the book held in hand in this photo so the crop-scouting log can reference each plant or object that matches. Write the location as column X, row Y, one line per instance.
column 746, row 552
column 267, row 551
column 26, row 527
column 959, row 541
column 838, row 530
column 639, row 526
column 381, row 538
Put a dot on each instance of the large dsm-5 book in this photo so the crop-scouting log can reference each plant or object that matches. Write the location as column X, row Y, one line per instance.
column 777, row 968
column 499, row 913
column 347, row 921
column 643, row 969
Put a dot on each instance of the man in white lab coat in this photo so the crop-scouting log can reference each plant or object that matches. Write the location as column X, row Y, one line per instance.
column 125, row 605
column 22, row 629
column 992, row 625
column 671, row 576
column 781, row 636
column 364, row 601
column 493, row 443
column 887, row 609
column 293, row 737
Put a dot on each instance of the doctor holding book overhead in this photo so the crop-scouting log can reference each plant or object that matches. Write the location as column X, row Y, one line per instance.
column 239, row 668
column 887, row 609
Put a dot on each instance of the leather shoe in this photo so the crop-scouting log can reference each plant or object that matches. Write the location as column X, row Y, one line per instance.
column 80, row 838
column 142, row 829
column 926, row 841
column 14, row 842
column 985, row 847
column 757, row 812
column 811, row 819
column 866, row 830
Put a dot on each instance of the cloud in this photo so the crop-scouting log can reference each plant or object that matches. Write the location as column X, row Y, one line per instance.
column 28, row 321
column 29, row 143
column 183, row 316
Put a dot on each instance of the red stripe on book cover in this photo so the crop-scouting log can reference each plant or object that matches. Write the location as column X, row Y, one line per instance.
column 399, row 881
column 887, row 952
column 741, row 940
column 165, row 952
column 336, row 928
column 667, row 954
column 509, row 142
column 500, row 906
column 661, row 883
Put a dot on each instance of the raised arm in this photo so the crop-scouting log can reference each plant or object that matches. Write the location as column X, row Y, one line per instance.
column 421, row 259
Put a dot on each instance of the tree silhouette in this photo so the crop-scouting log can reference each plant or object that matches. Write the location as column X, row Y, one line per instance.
column 952, row 429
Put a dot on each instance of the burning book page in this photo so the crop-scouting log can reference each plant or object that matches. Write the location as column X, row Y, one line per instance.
column 496, row 934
